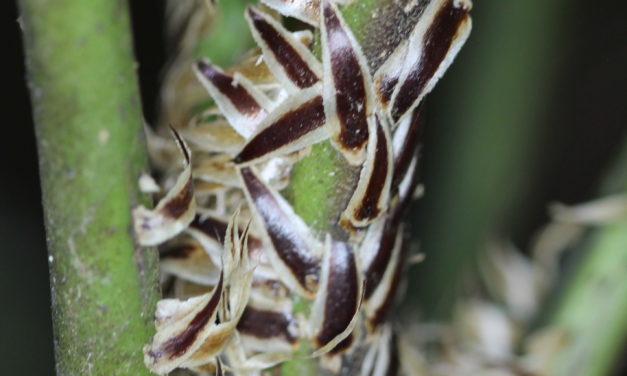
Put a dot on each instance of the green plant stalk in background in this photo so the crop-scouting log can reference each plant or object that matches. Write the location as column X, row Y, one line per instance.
column 592, row 306
column 91, row 147
column 494, row 97
column 230, row 37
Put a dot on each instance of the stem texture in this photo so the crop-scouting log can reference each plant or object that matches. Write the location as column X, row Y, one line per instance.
column 91, row 152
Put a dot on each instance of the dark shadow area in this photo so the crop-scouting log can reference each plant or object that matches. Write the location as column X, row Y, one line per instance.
column 25, row 324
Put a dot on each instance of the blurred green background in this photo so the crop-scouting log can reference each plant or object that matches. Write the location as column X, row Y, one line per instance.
column 532, row 111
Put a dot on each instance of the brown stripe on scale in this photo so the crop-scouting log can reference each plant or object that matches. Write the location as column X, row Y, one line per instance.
column 190, row 262
column 210, row 226
column 334, row 312
column 370, row 199
column 238, row 280
column 406, row 189
column 179, row 344
column 267, row 324
column 405, row 143
column 386, row 88
column 388, row 238
column 437, row 38
column 347, row 86
column 188, row 334
column 174, row 211
column 387, row 76
column 343, row 346
column 216, row 229
column 210, row 232
column 382, row 246
column 384, row 237
column 297, row 123
column 179, row 251
column 240, row 102
column 382, row 300
column 292, row 249
column 291, row 62
column 179, row 204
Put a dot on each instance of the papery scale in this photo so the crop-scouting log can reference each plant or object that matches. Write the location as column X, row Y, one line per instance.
column 259, row 112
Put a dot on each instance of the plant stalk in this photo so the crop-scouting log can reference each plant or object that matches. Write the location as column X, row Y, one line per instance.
column 591, row 308
column 88, row 121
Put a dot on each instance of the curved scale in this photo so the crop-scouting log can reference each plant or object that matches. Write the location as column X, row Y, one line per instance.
column 437, row 38
column 347, row 86
column 174, row 212
column 289, row 60
column 292, row 249
column 334, row 313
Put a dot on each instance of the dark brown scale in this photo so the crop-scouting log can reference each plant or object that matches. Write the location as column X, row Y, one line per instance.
column 295, row 67
column 291, row 249
column 176, row 346
column 437, row 42
column 342, row 299
column 386, row 88
column 211, row 227
column 382, row 312
column 178, row 252
column 266, row 324
column 344, row 345
column 399, row 209
column 349, row 84
column 369, row 207
column 376, row 269
column 409, row 148
column 179, row 204
column 288, row 128
column 237, row 94
column 216, row 229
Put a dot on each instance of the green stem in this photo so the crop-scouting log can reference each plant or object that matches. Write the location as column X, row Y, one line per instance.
column 591, row 309
column 91, row 152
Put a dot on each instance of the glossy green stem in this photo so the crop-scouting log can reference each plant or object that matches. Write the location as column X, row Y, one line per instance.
column 88, row 120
